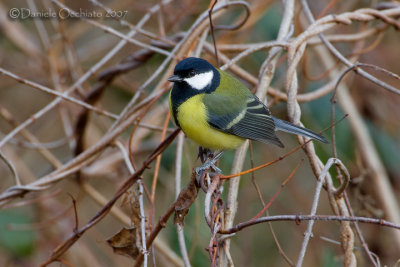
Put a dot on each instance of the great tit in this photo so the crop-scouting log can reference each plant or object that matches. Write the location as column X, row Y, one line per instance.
column 218, row 112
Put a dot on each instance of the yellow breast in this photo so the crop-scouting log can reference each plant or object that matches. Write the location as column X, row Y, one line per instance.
column 192, row 117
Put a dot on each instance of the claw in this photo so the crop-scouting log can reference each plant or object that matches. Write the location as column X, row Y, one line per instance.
column 209, row 161
column 210, row 164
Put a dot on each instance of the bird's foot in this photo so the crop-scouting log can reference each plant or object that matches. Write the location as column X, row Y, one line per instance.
column 209, row 163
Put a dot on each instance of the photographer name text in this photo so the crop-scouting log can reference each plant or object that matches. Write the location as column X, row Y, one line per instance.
column 25, row 13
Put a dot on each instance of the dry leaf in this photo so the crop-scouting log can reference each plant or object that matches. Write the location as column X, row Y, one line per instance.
column 124, row 242
column 131, row 201
column 185, row 199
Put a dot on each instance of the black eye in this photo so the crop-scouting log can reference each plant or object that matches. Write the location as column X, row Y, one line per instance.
column 192, row 73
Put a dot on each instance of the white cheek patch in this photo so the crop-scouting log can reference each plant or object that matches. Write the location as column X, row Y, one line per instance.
column 200, row 81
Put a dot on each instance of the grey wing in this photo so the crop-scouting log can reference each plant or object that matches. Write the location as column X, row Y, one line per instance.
column 252, row 122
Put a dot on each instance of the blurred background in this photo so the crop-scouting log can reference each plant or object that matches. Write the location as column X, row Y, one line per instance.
column 40, row 42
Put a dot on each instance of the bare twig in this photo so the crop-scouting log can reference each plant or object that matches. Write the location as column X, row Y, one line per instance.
column 12, row 168
column 210, row 11
column 178, row 174
column 299, row 218
column 56, row 93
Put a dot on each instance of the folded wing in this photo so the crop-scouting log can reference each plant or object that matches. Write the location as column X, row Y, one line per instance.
column 250, row 119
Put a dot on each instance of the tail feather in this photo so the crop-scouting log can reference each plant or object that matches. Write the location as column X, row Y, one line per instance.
column 288, row 127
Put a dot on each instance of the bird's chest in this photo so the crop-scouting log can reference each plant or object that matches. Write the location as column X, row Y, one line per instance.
column 192, row 116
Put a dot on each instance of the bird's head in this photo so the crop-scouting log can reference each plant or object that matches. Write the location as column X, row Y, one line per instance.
column 197, row 73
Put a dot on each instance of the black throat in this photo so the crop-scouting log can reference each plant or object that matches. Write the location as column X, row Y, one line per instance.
column 182, row 91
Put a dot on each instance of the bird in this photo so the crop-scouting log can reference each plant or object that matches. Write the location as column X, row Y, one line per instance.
column 219, row 112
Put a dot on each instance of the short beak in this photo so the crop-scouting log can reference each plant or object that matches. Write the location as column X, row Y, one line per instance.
column 174, row 78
